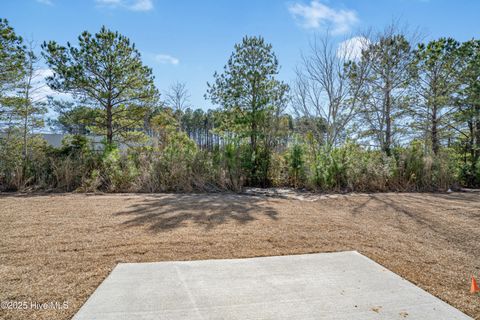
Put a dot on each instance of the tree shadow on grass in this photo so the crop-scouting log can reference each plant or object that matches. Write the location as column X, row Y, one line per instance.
column 413, row 209
column 472, row 197
column 171, row 211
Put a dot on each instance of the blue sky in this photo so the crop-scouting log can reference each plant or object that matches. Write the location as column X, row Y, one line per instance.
column 188, row 40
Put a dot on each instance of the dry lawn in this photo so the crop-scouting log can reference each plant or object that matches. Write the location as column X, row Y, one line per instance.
column 56, row 248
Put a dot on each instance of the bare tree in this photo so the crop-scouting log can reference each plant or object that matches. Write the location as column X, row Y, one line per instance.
column 177, row 97
column 26, row 102
column 324, row 92
column 32, row 106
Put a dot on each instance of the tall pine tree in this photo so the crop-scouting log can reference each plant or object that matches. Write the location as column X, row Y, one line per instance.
column 106, row 72
column 252, row 97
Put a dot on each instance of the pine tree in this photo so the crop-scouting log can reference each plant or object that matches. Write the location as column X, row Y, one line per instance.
column 469, row 106
column 388, row 59
column 106, row 72
column 12, row 66
column 435, row 68
column 250, row 94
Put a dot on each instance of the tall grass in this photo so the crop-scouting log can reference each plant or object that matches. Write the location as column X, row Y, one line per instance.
column 177, row 165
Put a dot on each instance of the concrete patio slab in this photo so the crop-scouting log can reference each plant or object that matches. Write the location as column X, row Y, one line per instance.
column 342, row 285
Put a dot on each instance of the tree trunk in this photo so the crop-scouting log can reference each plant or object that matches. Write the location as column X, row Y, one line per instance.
column 109, row 125
column 434, row 129
column 25, row 132
column 477, row 120
column 388, row 122
column 25, row 123
column 470, row 149
column 253, row 144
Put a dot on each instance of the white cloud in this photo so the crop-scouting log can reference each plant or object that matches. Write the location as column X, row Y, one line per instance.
column 165, row 59
column 317, row 15
column 351, row 49
column 43, row 73
column 142, row 5
column 40, row 89
column 134, row 5
column 47, row 2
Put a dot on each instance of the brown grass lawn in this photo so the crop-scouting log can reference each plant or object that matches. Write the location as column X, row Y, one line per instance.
column 56, row 248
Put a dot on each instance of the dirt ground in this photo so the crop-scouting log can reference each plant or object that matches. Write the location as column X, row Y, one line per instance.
column 59, row 248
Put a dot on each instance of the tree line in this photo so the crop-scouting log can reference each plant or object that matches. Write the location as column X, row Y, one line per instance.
column 381, row 111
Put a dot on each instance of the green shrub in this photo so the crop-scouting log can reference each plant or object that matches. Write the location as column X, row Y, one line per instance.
column 296, row 163
column 118, row 171
column 173, row 162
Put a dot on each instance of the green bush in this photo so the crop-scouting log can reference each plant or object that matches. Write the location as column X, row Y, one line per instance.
column 296, row 163
column 173, row 162
column 118, row 170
